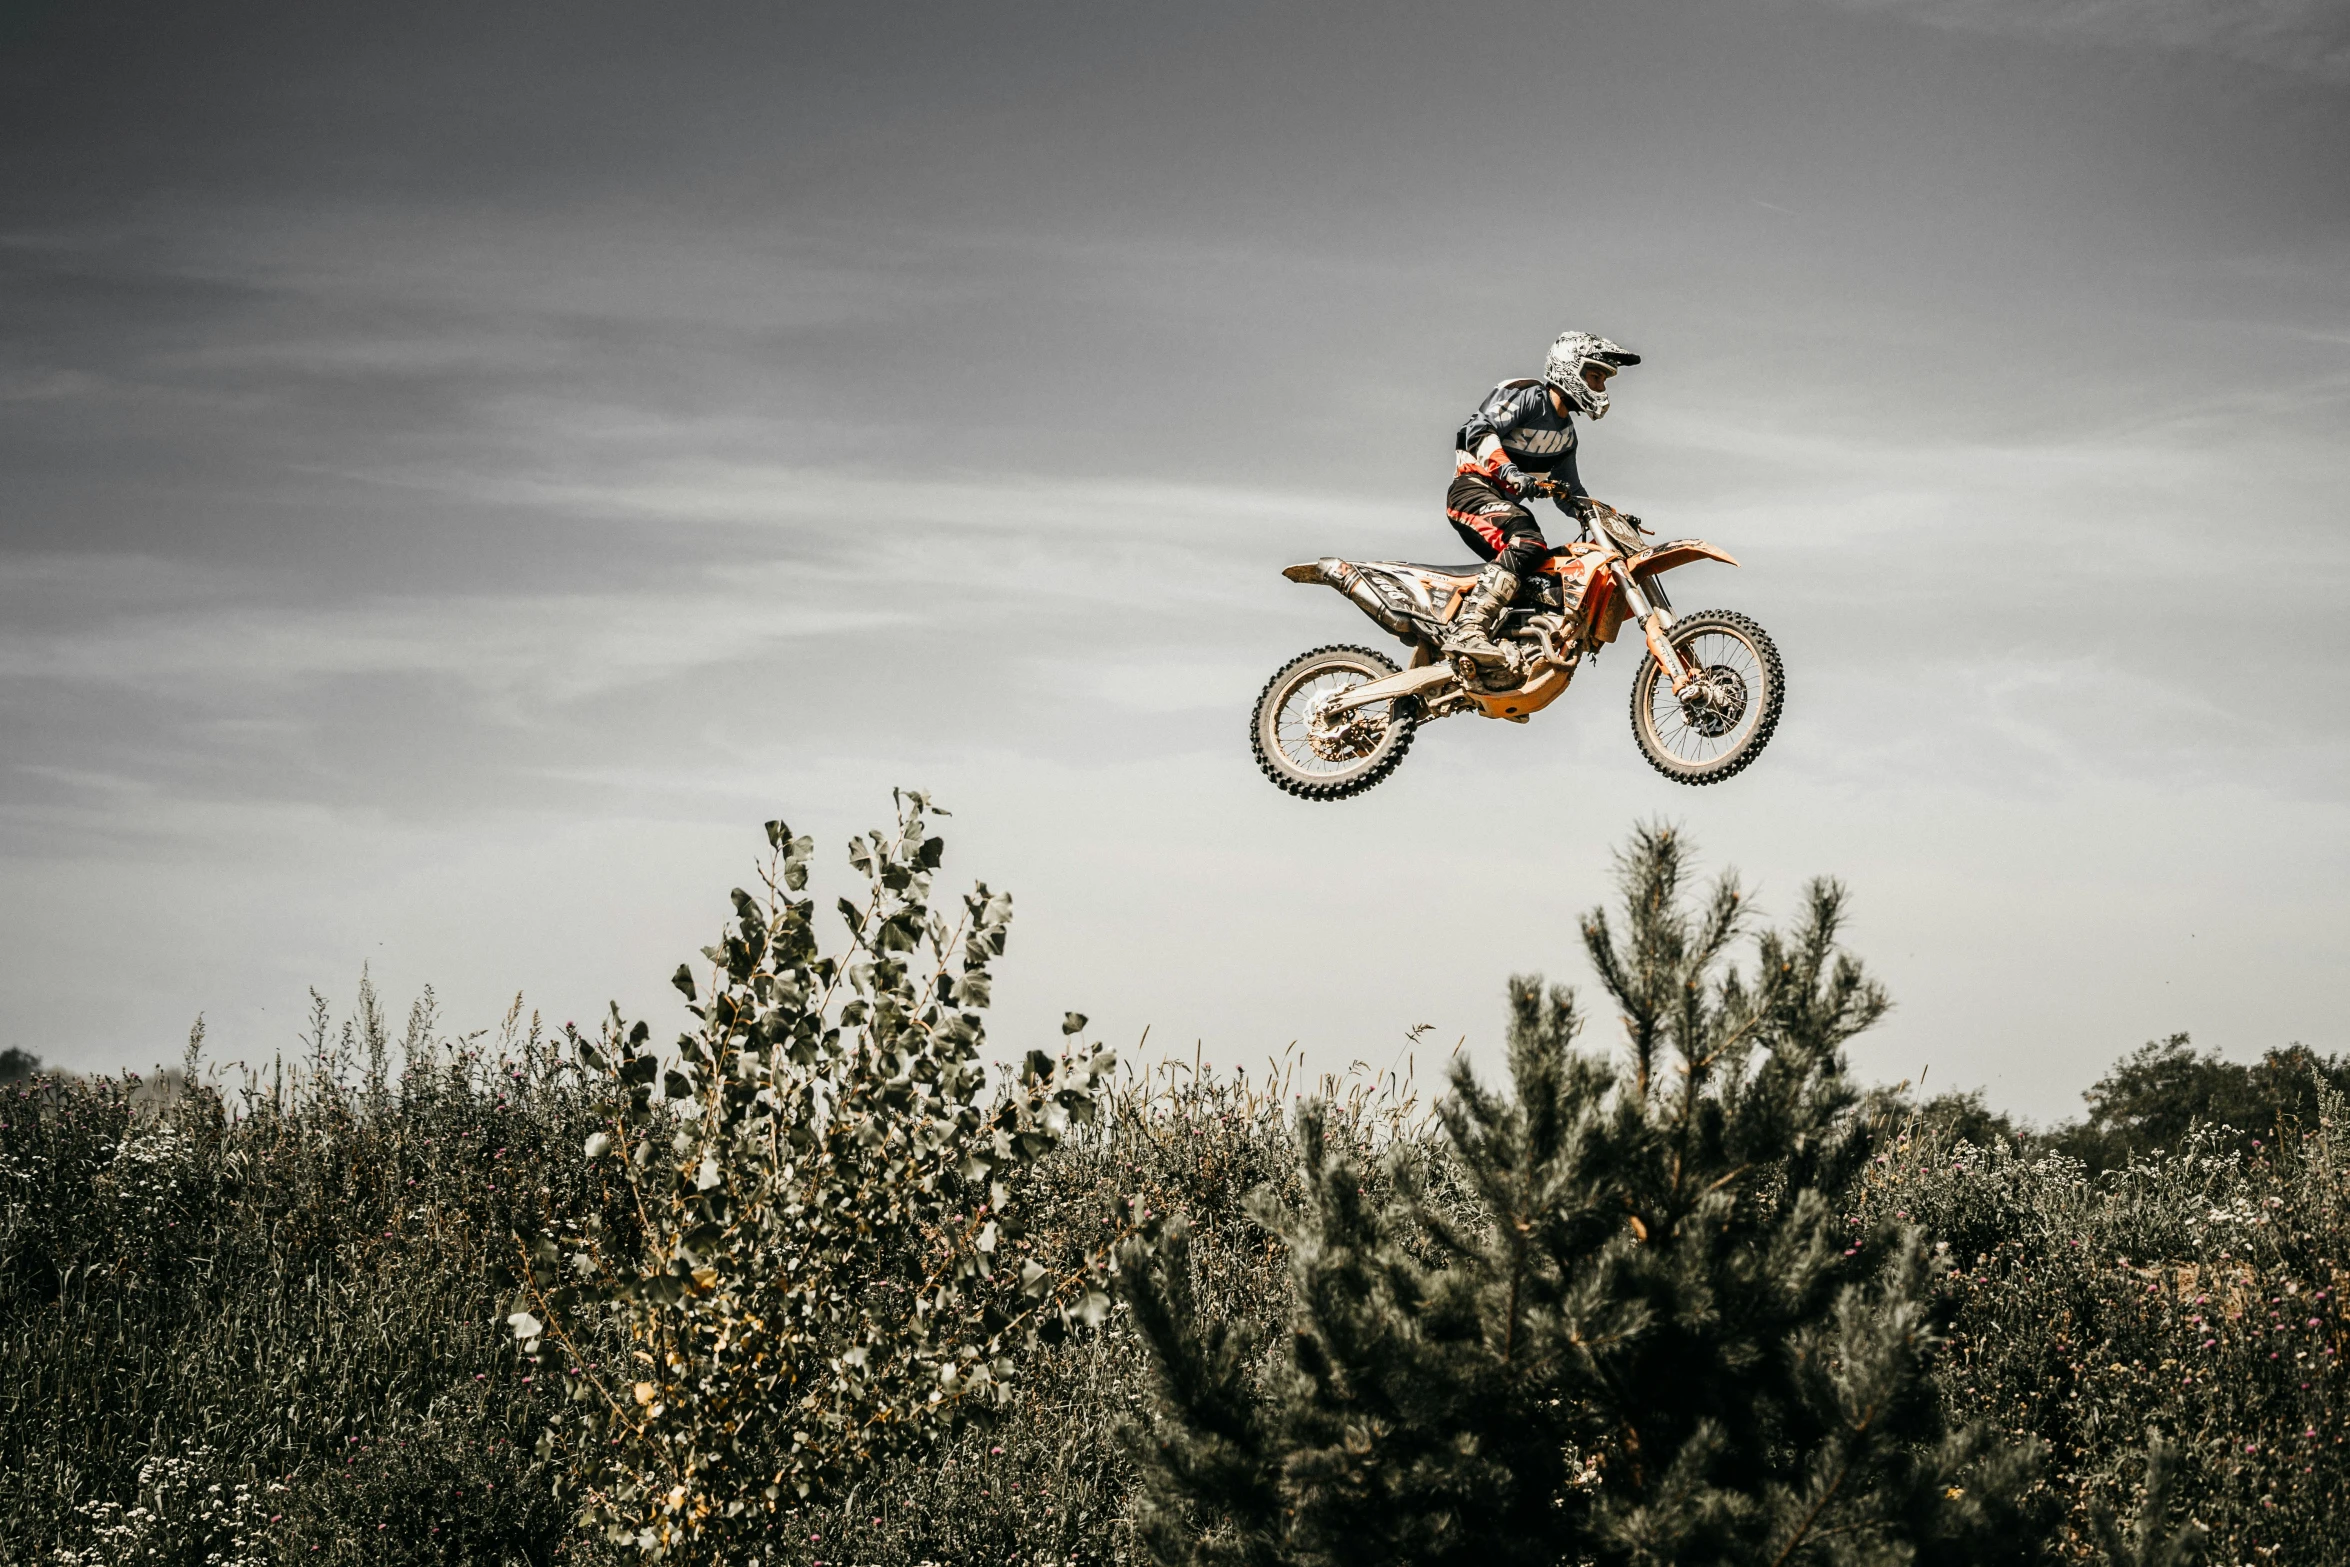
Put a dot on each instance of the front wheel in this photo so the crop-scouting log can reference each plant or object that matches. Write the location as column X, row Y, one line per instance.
column 1726, row 716
column 1318, row 755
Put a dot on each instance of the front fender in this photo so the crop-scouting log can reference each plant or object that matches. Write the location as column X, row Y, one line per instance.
column 1676, row 552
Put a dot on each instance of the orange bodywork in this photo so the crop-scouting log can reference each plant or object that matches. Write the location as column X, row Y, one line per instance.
column 1601, row 605
column 1588, row 585
column 1547, row 686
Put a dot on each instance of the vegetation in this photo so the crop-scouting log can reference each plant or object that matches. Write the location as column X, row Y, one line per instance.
column 246, row 1324
column 271, row 1318
column 2197, row 1292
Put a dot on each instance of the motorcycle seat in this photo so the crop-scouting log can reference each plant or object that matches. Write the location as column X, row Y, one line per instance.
column 1470, row 570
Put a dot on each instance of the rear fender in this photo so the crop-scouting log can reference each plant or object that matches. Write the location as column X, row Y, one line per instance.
column 1349, row 579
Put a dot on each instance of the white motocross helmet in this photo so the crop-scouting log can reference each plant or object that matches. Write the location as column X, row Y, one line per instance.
column 1571, row 355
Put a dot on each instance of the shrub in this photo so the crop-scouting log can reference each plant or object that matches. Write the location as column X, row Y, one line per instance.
column 831, row 1261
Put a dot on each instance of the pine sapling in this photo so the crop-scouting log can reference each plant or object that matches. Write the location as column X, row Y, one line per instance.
column 1624, row 1324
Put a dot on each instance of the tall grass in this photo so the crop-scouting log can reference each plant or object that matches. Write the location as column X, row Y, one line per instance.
column 258, row 1322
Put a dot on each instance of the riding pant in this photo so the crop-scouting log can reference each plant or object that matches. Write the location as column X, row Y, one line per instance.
column 1493, row 525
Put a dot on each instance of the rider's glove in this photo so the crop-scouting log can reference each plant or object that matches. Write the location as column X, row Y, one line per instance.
column 1518, row 481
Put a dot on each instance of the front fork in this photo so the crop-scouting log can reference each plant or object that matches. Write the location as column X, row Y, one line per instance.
column 1655, row 620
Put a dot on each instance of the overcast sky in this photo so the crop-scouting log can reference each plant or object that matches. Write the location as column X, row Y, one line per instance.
column 462, row 468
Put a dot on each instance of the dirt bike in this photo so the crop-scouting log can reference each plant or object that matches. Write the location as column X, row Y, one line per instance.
column 1333, row 722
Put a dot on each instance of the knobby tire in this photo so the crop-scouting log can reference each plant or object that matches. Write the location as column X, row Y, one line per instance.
column 1399, row 719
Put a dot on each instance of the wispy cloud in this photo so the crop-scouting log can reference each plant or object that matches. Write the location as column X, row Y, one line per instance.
column 556, row 647
column 2311, row 37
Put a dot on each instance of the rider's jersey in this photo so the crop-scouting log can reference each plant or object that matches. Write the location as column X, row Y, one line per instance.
column 1517, row 424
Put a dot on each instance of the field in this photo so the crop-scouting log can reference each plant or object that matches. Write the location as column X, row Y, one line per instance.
column 262, row 1322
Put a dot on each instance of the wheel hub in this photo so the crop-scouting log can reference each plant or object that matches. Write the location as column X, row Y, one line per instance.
column 1714, row 701
column 1339, row 737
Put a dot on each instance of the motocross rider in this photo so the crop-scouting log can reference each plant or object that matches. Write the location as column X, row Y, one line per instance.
column 1520, row 443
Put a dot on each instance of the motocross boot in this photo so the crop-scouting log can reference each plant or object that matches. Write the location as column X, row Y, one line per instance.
column 1471, row 633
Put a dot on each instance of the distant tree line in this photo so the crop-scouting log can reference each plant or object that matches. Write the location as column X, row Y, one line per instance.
column 2149, row 1100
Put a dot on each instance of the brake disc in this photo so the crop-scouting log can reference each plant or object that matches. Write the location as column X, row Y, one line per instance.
column 1716, row 702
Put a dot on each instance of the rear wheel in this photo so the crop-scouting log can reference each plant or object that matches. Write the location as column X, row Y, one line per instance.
column 1726, row 717
column 1314, row 754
